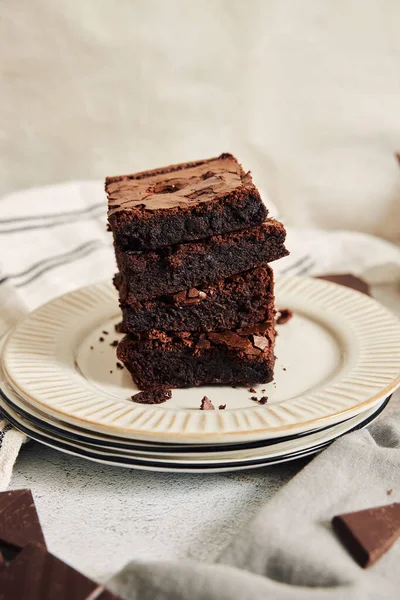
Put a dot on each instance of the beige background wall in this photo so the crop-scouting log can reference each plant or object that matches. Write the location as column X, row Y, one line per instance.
column 305, row 92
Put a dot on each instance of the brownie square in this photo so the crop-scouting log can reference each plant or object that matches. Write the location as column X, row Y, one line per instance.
column 183, row 359
column 180, row 203
column 232, row 303
column 147, row 275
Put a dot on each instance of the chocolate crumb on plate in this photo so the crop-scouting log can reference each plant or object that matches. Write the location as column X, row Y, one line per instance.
column 222, row 407
column 254, row 398
column 105, row 332
column 119, row 365
column 390, row 492
column 154, row 396
column 114, row 344
column 263, row 400
column 91, row 347
column 101, row 339
column 206, row 404
column 368, row 534
column 284, row 315
column 252, row 390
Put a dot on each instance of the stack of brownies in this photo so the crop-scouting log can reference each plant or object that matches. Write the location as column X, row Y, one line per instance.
column 193, row 243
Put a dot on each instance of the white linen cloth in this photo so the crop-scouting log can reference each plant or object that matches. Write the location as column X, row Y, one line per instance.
column 53, row 240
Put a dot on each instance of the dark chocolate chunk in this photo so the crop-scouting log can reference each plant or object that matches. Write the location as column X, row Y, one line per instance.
column 153, row 396
column 283, row 316
column 206, row 404
column 35, row 574
column 367, row 534
column 19, row 522
column 350, row 281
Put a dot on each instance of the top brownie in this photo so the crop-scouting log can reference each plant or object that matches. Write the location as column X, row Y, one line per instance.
column 181, row 203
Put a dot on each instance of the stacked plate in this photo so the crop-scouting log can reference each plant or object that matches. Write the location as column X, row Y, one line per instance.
column 338, row 363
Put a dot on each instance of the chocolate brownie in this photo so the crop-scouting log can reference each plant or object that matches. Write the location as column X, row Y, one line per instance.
column 181, row 203
column 167, row 271
column 231, row 303
column 157, row 358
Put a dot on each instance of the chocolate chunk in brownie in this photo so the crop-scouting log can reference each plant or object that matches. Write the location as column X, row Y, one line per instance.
column 181, row 203
column 231, row 303
column 158, row 358
column 152, row 274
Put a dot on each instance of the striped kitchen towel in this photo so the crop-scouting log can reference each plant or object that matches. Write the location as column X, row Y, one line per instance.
column 54, row 239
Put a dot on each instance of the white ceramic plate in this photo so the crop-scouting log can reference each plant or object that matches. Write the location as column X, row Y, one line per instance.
column 338, row 356
column 243, row 460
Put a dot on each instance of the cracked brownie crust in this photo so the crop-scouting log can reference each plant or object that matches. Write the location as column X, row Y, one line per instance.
column 181, row 203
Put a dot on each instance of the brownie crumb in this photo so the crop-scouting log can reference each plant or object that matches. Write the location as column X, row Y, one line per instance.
column 390, row 492
column 119, row 365
column 263, row 400
column 284, row 315
column 234, row 386
column 91, row 347
column 101, row 339
column 263, row 390
column 114, row 344
column 154, row 396
column 105, row 332
column 108, row 228
column 284, row 368
column 206, row 404
column 252, row 390
column 110, row 371
column 118, row 328
column 222, row 407
column 254, row 398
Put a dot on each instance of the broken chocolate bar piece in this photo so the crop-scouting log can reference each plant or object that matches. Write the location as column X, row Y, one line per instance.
column 350, row 281
column 19, row 523
column 368, row 534
column 35, row 574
